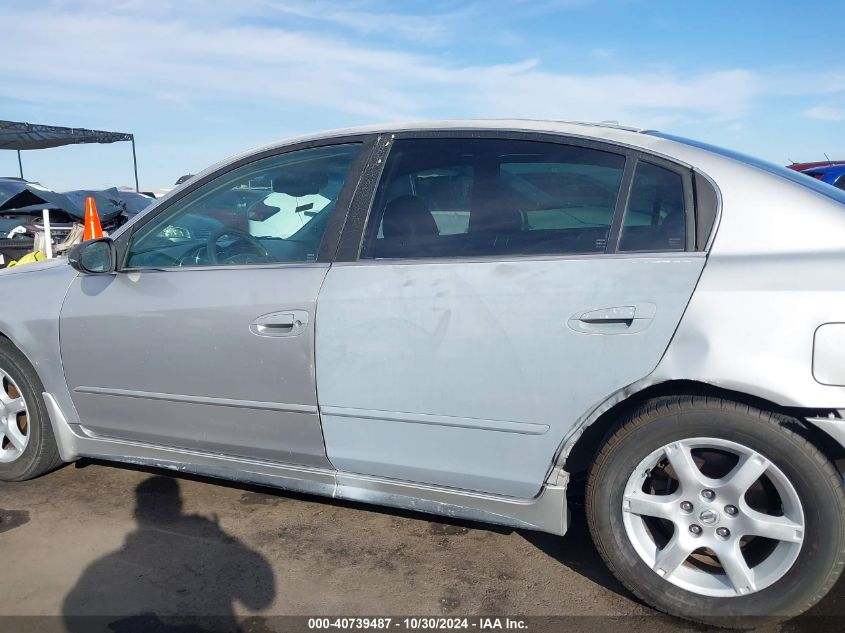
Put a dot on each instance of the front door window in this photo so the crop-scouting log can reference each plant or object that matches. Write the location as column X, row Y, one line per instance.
column 273, row 210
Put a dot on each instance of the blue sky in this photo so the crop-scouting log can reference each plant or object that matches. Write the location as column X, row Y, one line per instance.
column 196, row 81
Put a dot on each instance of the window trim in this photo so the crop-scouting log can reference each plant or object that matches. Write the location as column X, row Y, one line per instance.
column 352, row 241
column 708, row 209
column 331, row 236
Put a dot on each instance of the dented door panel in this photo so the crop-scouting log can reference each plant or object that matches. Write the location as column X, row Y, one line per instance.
column 468, row 374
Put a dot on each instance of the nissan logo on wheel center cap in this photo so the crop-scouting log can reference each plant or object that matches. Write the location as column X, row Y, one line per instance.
column 708, row 516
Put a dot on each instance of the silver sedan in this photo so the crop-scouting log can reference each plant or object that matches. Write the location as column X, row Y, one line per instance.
column 476, row 319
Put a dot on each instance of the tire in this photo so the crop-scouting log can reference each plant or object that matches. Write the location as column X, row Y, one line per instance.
column 40, row 455
column 790, row 573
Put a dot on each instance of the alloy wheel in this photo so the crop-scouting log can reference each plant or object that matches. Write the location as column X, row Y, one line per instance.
column 713, row 517
column 14, row 420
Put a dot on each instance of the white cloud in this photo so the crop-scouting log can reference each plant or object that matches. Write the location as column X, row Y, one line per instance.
column 361, row 18
column 199, row 54
column 217, row 57
column 194, row 73
column 825, row 113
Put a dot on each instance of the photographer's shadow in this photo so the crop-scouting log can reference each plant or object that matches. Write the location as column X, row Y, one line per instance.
column 175, row 572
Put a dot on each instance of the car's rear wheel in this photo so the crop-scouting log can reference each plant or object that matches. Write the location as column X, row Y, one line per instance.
column 27, row 445
column 717, row 512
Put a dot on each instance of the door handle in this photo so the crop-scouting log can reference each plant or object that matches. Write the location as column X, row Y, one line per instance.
column 289, row 323
column 628, row 319
column 273, row 329
column 621, row 314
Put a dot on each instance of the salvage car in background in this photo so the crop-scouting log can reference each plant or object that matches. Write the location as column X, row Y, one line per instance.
column 113, row 205
column 504, row 308
column 22, row 204
column 820, row 163
column 831, row 174
column 10, row 219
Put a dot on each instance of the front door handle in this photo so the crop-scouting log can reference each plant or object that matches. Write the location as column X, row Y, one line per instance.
column 628, row 319
column 287, row 323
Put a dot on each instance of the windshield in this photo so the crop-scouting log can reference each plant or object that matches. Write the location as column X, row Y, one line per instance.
column 797, row 177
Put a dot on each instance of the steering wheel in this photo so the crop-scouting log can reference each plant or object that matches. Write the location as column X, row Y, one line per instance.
column 214, row 237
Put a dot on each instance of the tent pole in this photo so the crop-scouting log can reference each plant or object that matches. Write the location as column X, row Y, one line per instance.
column 48, row 235
column 135, row 164
column 20, row 164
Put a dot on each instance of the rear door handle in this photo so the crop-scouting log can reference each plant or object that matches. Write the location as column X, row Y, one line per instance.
column 621, row 314
column 628, row 319
column 287, row 323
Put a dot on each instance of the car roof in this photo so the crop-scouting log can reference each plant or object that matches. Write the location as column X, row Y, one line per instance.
column 576, row 128
column 610, row 132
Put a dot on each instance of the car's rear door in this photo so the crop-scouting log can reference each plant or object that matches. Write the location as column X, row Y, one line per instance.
column 503, row 288
column 205, row 338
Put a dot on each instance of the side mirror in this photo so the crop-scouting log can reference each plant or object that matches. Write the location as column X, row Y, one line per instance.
column 94, row 257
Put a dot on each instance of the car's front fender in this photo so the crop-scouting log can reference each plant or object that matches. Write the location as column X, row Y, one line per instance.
column 29, row 317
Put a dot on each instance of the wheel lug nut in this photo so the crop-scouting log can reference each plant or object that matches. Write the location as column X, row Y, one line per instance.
column 695, row 529
column 708, row 494
column 723, row 532
column 731, row 511
column 686, row 506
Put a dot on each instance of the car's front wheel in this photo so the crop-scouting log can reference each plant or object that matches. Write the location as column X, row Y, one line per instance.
column 27, row 445
column 717, row 512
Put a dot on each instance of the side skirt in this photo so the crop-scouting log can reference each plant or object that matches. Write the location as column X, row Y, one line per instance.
column 547, row 512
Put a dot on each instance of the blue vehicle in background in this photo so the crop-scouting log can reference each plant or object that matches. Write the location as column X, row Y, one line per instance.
column 831, row 174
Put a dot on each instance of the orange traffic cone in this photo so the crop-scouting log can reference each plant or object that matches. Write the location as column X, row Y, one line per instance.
column 93, row 230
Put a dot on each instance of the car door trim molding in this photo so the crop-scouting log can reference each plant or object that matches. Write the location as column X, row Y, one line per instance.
column 485, row 259
column 504, row 426
column 220, row 402
column 546, row 512
column 187, row 269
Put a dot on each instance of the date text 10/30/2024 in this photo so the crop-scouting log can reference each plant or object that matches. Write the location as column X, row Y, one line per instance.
column 419, row 624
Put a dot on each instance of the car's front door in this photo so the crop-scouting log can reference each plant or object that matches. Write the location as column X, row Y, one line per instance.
column 204, row 339
column 505, row 288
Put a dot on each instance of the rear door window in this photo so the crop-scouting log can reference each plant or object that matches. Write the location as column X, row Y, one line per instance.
column 480, row 197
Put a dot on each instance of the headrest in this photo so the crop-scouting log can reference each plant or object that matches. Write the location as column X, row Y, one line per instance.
column 408, row 216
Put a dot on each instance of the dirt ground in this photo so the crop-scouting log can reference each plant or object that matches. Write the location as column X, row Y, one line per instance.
column 115, row 541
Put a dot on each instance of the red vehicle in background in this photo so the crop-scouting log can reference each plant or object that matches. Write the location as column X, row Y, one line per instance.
column 822, row 163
